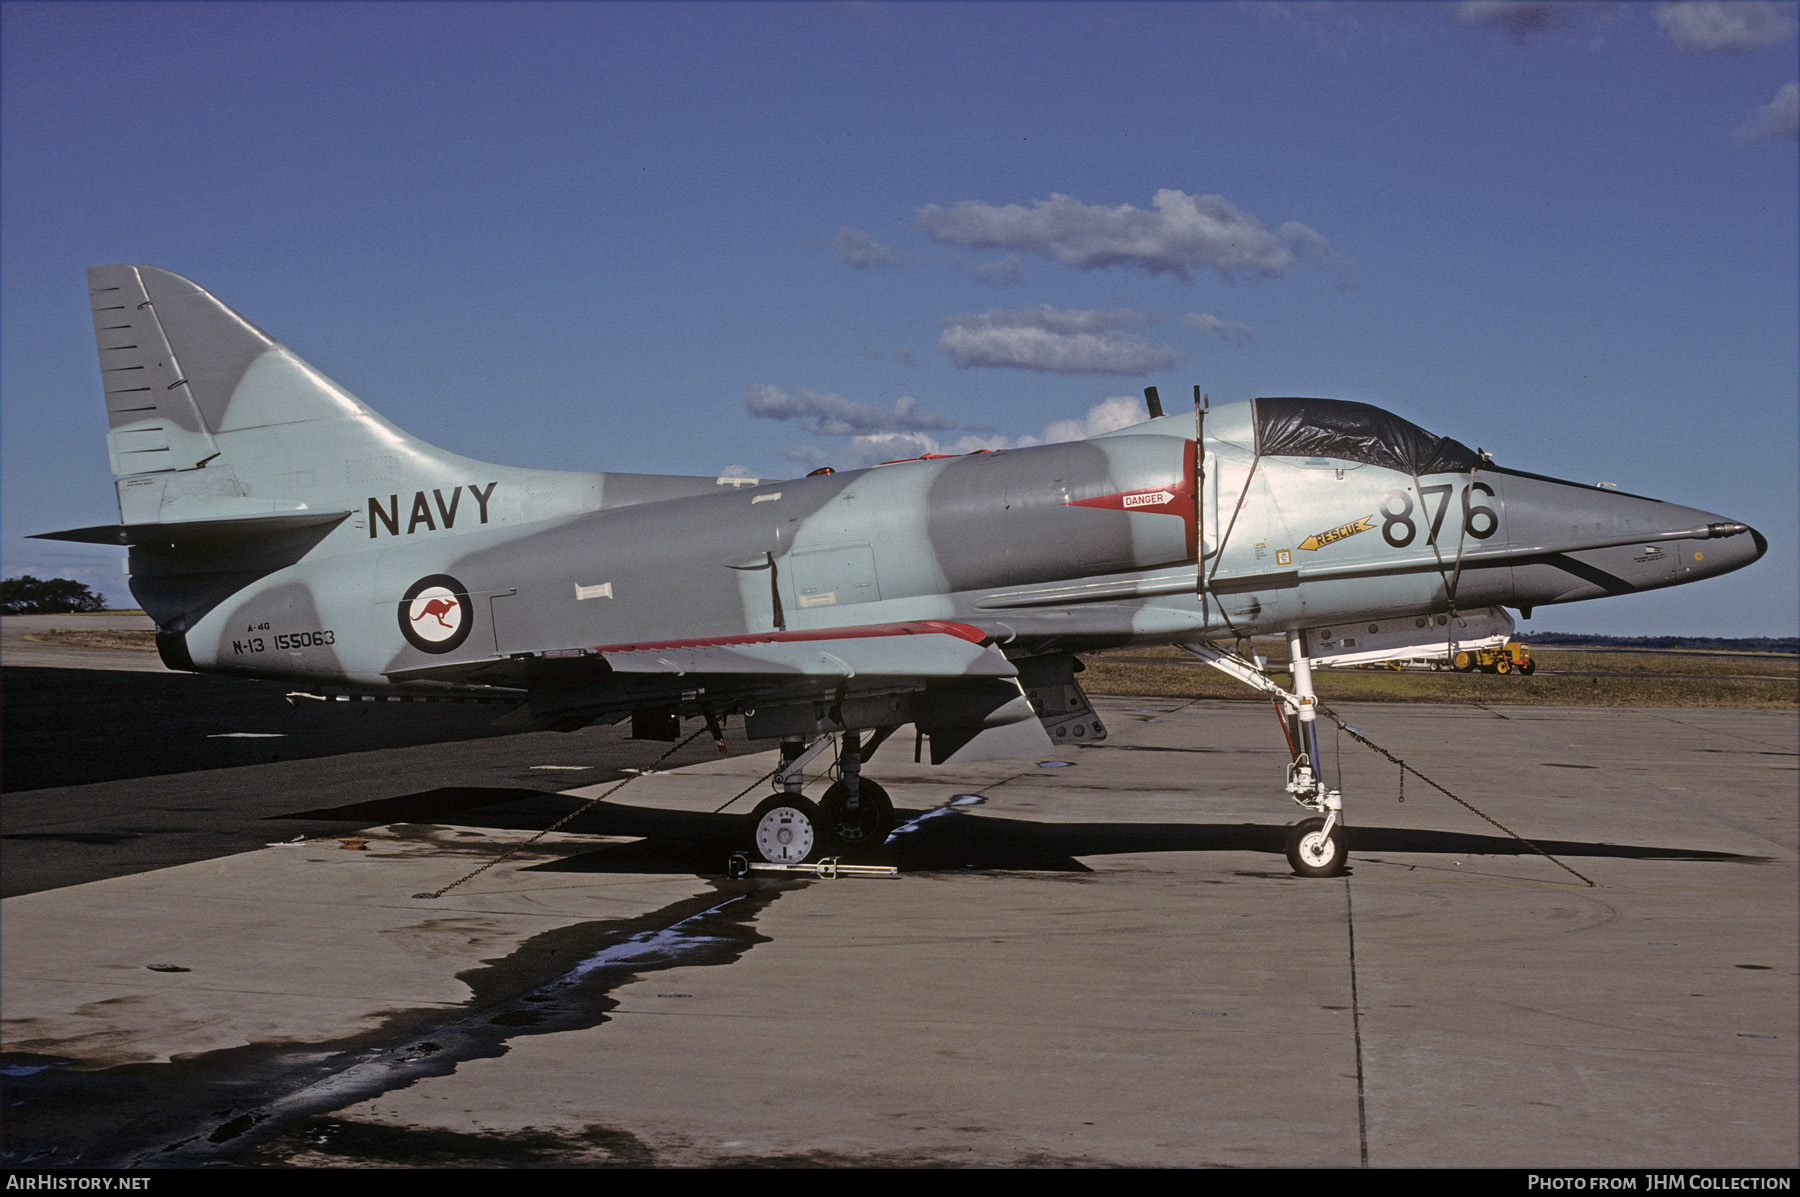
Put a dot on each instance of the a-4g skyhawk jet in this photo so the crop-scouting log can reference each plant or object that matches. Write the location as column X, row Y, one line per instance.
column 280, row 528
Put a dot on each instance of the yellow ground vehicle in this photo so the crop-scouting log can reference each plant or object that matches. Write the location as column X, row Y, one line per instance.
column 1507, row 658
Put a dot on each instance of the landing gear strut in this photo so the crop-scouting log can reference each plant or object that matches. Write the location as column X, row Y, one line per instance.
column 1315, row 846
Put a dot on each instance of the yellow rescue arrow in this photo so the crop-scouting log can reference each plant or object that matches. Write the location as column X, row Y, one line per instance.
column 1319, row 540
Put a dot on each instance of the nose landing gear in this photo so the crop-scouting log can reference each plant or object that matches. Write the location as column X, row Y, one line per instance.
column 1315, row 846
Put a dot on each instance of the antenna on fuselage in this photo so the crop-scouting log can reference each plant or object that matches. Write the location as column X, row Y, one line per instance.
column 1201, row 403
column 1154, row 401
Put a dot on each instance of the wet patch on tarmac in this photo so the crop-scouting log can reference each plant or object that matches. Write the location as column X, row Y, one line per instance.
column 249, row 1104
column 327, row 1142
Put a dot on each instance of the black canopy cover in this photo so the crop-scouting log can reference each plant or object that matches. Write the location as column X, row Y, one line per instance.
column 1354, row 432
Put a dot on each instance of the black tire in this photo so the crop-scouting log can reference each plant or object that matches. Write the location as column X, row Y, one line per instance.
column 784, row 829
column 1503, row 665
column 1313, row 855
column 868, row 827
column 1528, row 667
column 1464, row 662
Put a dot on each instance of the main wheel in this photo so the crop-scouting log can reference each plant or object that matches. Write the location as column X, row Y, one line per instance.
column 1528, row 667
column 868, row 826
column 784, row 829
column 1464, row 662
column 1503, row 665
column 1311, row 852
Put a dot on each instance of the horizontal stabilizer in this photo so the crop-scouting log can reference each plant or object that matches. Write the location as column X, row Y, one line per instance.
column 196, row 531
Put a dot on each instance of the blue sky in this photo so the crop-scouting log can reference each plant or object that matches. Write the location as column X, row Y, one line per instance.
column 688, row 237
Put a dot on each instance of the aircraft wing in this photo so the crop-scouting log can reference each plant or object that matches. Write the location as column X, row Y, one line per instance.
column 961, row 692
column 919, row 649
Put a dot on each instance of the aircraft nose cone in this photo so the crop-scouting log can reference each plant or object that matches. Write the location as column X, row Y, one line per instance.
column 1729, row 545
column 1575, row 542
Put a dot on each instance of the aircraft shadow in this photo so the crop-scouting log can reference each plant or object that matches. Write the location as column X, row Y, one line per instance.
column 72, row 727
column 698, row 842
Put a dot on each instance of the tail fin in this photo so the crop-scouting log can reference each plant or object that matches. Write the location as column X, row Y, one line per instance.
column 212, row 419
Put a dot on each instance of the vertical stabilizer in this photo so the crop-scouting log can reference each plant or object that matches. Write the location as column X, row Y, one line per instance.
column 211, row 419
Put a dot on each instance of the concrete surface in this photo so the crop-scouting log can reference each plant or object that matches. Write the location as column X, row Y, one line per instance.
column 1102, row 963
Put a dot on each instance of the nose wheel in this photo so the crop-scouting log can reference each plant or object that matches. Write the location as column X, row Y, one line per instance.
column 1314, row 851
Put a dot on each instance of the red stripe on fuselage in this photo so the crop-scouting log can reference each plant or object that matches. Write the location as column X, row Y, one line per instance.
column 918, row 627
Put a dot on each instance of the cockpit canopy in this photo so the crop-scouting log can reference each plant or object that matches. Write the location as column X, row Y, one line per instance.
column 1354, row 432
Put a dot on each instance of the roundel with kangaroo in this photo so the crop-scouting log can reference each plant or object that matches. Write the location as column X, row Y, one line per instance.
column 436, row 615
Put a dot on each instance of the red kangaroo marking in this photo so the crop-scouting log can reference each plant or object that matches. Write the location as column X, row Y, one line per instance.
column 436, row 607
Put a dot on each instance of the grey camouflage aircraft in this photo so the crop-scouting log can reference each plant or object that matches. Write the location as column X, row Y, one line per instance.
column 280, row 528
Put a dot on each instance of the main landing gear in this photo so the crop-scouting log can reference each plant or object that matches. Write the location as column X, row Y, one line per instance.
column 1315, row 846
column 788, row 828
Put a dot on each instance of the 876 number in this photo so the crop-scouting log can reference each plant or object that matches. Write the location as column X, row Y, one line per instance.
column 1399, row 528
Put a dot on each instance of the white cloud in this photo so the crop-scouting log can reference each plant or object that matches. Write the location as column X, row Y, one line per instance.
column 1045, row 339
column 1184, row 234
column 1225, row 330
column 857, row 249
column 1308, row 243
column 1778, row 120
column 1712, row 27
column 1005, row 273
column 1108, row 415
column 833, row 415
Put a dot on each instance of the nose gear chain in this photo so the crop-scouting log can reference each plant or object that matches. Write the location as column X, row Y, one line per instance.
column 1406, row 768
